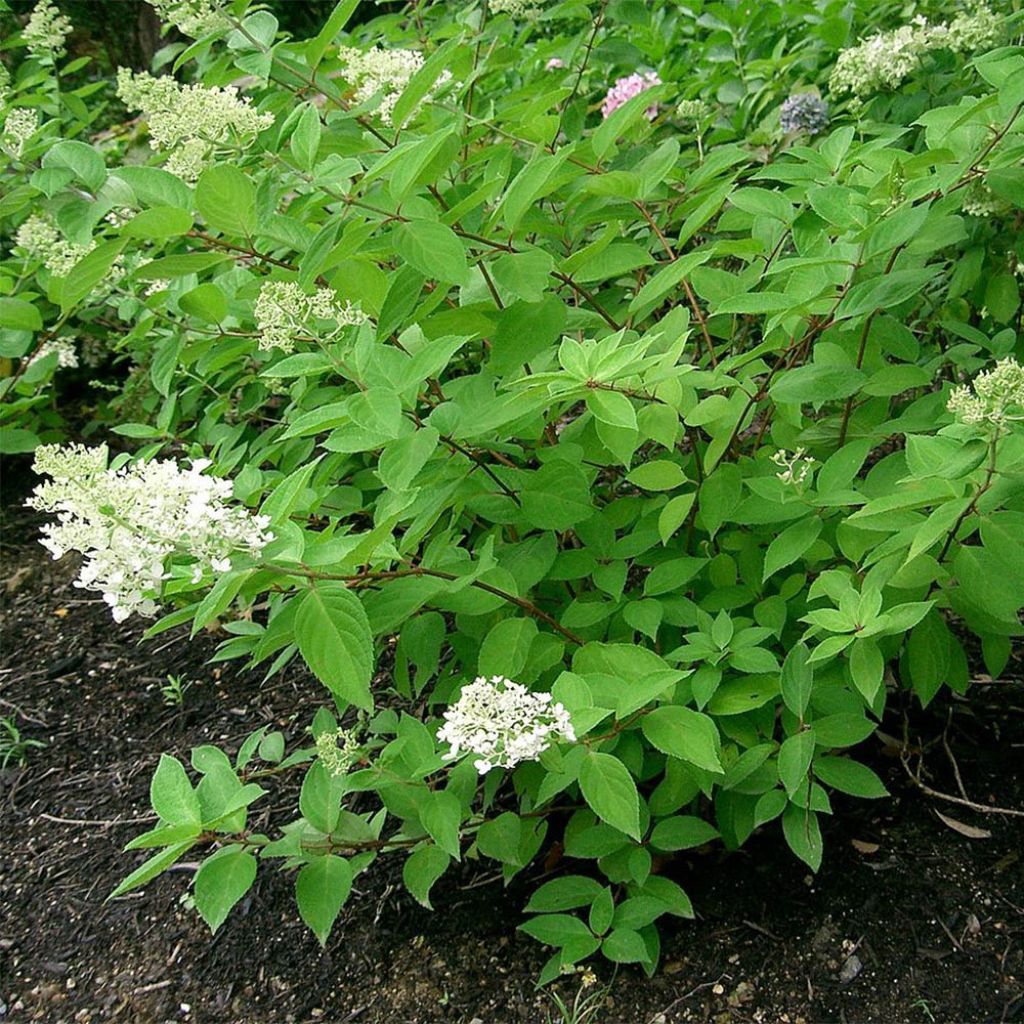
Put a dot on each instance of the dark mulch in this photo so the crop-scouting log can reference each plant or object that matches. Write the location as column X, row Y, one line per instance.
column 909, row 920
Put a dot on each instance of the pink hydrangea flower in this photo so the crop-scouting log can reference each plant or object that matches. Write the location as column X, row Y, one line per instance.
column 626, row 88
column 555, row 64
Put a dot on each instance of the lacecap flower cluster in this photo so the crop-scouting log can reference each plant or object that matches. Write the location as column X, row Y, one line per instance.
column 193, row 17
column 128, row 523
column 284, row 314
column 42, row 241
column 46, row 31
column 503, row 723
column 995, row 397
column 385, row 74
column 885, row 60
column 190, row 121
column 20, row 125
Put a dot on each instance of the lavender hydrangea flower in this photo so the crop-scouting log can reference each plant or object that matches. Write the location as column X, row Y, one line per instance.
column 626, row 88
column 804, row 112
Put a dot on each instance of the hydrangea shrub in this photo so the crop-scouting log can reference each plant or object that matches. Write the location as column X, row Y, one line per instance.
column 611, row 429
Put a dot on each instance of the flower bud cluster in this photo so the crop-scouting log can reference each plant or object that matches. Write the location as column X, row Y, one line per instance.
column 67, row 356
column 284, row 314
column 980, row 201
column 692, row 110
column 996, row 396
column 129, row 522
column 626, row 88
column 528, row 9
column 884, row 61
column 20, row 125
column 5, row 85
column 804, row 112
column 41, row 240
column 385, row 73
column 338, row 750
column 795, row 466
column 46, row 31
column 503, row 723
column 193, row 17
column 189, row 121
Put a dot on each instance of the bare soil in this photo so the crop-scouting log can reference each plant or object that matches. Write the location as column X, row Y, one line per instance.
column 911, row 919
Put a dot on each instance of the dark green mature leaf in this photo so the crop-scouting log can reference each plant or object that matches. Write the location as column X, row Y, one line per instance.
column 321, row 888
column 221, row 881
column 334, row 639
column 610, row 791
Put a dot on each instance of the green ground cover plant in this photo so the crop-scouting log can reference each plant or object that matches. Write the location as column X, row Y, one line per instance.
column 614, row 404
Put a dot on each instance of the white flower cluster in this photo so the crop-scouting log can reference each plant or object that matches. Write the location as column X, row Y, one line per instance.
column 503, row 723
column 387, row 73
column 5, row 84
column 996, row 396
column 980, row 201
column 794, row 466
column 193, row 17
column 339, row 749
column 129, row 522
column 284, row 314
column 189, row 121
column 885, row 60
column 20, row 125
column 46, row 31
column 42, row 241
column 528, row 9
column 67, row 356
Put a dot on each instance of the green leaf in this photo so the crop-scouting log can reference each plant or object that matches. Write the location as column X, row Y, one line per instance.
column 171, row 794
column 153, row 867
column 795, row 759
column 321, row 888
column 433, row 249
column 226, row 198
column 556, row 929
column 506, row 647
column 158, row 222
column 422, row 868
column 19, row 315
column 682, row 832
column 338, row 19
column 803, row 834
column 816, row 383
column 221, row 881
column 564, row 893
column 525, row 274
column 609, row 789
column 334, row 639
column 791, row 545
column 441, row 816
column 180, row 265
column 207, row 302
column 658, row 475
column 86, row 274
column 81, row 159
column 305, row 140
column 849, row 777
column 625, row 946
column 686, row 734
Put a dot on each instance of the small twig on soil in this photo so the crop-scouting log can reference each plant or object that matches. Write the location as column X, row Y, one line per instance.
column 105, row 822
column 961, row 801
column 693, row 991
column 952, row 759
